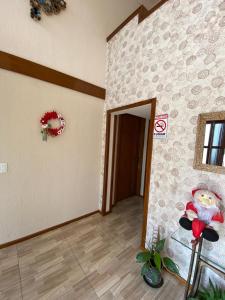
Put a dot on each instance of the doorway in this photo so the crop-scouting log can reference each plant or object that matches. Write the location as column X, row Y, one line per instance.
column 128, row 150
column 128, row 155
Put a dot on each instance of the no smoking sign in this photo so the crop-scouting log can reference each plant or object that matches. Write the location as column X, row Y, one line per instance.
column 161, row 126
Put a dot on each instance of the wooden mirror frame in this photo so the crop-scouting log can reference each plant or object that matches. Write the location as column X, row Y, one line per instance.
column 200, row 135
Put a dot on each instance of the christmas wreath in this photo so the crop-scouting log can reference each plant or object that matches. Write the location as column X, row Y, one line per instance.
column 46, row 125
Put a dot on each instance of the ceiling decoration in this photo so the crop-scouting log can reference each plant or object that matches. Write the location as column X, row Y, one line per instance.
column 50, row 7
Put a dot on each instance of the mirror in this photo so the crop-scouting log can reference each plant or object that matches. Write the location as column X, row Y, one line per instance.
column 210, row 143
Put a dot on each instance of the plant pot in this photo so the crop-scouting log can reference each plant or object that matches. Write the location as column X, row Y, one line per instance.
column 153, row 278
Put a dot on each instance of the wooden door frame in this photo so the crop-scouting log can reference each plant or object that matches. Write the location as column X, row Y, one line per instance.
column 113, row 192
column 148, row 160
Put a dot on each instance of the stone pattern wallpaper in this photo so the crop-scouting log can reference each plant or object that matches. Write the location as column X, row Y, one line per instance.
column 178, row 56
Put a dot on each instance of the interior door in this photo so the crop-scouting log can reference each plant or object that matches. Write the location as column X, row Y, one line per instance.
column 130, row 142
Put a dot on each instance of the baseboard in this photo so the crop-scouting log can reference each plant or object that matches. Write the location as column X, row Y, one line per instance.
column 107, row 213
column 30, row 236
column 104, row 213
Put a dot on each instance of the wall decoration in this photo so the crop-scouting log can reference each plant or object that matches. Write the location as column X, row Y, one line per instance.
column 50, row 7
column 46, row 126
column 202, row 215
column 210, row 142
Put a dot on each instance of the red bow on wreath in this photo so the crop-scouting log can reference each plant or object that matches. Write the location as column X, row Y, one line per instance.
column 46, row 126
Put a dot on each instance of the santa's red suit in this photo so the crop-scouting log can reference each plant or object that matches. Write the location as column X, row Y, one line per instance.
column 203, row 214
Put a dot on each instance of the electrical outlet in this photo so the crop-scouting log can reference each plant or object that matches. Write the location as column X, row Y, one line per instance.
column 3, row 168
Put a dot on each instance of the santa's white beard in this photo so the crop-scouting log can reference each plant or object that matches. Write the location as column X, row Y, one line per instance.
column 206, row 214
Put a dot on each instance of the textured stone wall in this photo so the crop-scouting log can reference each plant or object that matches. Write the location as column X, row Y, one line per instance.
column 178, row 56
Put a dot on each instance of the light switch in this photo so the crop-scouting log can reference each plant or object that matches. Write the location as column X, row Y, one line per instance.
column 3, row 167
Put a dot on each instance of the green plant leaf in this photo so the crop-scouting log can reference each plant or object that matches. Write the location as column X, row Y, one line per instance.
column 160, row 245
column 213, row 292
column 143, row 257
column 144, row 269
column 170, row 265
column 157, row 261
column 214, row 288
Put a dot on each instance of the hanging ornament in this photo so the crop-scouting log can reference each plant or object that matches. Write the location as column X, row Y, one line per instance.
column 48, row 6
column 46, row 127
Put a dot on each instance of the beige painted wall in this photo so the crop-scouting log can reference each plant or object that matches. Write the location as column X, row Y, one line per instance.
column 47, row 183
column 73, row 42
column 176, row 55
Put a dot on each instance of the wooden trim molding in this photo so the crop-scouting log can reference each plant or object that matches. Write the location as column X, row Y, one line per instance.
column 106, row 165
column 148, row 161
column 115, row 125
column 148, row 170
column 26, row 67
column 152, row 10
column 30, row 236
column 142, row 14
column 132, row 105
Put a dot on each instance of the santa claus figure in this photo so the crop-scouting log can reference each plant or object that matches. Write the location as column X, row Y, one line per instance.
column 203, row 215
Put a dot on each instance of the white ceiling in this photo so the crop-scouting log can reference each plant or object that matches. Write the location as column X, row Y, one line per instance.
column 143, row 111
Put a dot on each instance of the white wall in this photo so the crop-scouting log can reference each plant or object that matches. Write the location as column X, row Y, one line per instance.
column 73, row 42
column 47, row 182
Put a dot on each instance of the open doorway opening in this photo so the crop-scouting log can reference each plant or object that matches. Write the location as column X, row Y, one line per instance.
column 128, row 155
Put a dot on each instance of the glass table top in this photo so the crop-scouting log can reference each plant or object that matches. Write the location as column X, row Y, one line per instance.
column 213, row 253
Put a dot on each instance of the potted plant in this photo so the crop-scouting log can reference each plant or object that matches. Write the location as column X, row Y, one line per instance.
column 210, row 293
column 153, row 263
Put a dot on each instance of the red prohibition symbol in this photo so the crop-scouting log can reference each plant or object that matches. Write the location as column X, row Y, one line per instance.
column 160, row 125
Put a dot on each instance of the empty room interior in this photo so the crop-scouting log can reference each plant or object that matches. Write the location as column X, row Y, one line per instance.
column 112, row 150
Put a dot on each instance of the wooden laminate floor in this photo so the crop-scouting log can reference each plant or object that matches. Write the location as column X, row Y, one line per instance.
column 93, row 258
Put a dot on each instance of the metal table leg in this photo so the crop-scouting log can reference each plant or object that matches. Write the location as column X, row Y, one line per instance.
column 187, row 288
column 196, row 278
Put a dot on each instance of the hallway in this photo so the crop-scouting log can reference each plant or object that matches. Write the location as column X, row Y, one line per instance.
column 93, row 258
